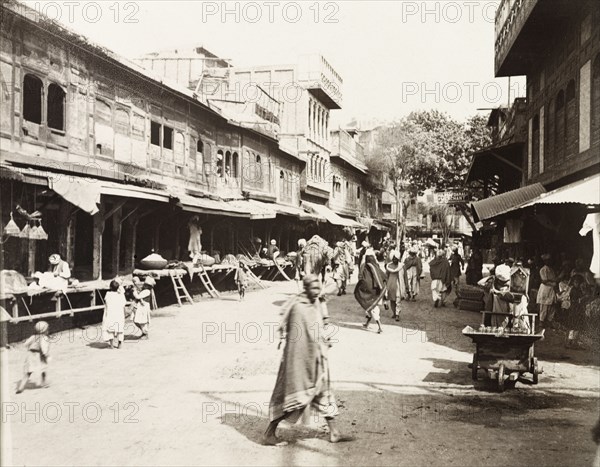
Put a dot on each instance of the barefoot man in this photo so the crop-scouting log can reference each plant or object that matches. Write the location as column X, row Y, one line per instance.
column 303, row 378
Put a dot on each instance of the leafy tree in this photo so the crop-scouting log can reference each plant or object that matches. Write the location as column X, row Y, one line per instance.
column 427, row 149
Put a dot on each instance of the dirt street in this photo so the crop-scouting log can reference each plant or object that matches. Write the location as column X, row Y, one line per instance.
column 197, row 392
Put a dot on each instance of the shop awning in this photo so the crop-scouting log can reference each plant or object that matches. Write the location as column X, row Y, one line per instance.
column 506, row 202
column 8, row 173
column 586, row 191
column 330, row 216
column 256, row 209
column 211, row 206
column 81, row 192
column 499, row 166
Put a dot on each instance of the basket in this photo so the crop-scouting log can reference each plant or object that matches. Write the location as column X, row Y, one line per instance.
column 470, row 305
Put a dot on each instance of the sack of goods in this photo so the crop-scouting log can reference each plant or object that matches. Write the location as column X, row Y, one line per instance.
column 470, row 292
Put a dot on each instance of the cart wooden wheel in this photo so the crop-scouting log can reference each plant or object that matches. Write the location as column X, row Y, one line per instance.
column 474, row 368
column 534, row 370
column 501, row 378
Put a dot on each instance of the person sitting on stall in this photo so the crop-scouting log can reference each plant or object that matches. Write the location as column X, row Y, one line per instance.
column 273, row 250
column 59, row 267
column 581, row 269
column 500, row 286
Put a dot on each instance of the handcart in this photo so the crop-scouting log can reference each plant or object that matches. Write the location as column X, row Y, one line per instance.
column 505, row 353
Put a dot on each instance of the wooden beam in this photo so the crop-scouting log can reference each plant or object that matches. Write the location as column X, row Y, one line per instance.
column 116, row 241
column 506, row 161
column 114, row 209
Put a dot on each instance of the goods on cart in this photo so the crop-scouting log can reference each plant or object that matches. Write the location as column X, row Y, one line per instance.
column 505, row 352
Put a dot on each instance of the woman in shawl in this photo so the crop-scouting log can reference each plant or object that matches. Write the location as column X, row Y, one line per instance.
column 370, row 287
column 395, row 282
column 441, row 278
column 303, row 377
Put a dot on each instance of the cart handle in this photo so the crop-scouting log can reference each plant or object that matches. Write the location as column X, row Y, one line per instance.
column 506, row 314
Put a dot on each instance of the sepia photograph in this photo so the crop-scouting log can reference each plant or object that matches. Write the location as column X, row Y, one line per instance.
column 300, row 233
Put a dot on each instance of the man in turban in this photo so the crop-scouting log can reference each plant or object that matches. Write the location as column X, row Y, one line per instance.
column 303, row 378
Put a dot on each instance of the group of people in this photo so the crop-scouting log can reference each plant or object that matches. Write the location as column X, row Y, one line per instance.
column 113, row 325
column 563, row 294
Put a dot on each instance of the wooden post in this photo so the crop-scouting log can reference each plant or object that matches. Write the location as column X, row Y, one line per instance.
column 98, row 231
column 177, row 242
column 116, row 241
column 66, row 234
column 156, row 240
column 30, row 257
column 130, row 243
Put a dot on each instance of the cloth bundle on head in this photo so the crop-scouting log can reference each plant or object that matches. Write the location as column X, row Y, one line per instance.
column 413, row 250
column 502, row 273
column 369, row 252
column 309, row 279
column 395, row 254
column 54, row 259
column 41, row 327
column 273, row 242
column 150, row 281
column 302, row 243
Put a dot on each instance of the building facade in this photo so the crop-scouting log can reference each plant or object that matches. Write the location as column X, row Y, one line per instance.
column 113, row 159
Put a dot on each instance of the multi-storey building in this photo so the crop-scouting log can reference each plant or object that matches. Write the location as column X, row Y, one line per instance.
column 552, row 159
column 563, row 84
column 112, row 159
column 333, row 182
column 116, row 158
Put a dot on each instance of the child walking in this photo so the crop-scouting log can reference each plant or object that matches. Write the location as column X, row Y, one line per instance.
column 241, row 279
column 113, row 322
column 141, row 317
column 38, row 352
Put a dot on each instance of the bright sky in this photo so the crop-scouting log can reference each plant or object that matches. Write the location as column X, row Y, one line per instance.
column 394, row 56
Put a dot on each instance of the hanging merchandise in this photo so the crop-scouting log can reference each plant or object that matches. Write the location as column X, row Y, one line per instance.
column 33, row 233
column 42, row 235
column 26, row 232
column 12, row 229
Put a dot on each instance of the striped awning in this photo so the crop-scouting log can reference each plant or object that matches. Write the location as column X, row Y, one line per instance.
column 586, row 191
column 506, row 202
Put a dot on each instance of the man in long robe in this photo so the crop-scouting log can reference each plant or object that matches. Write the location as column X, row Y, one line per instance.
column 369, row 289
column 303, row 378
column 441, row 278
